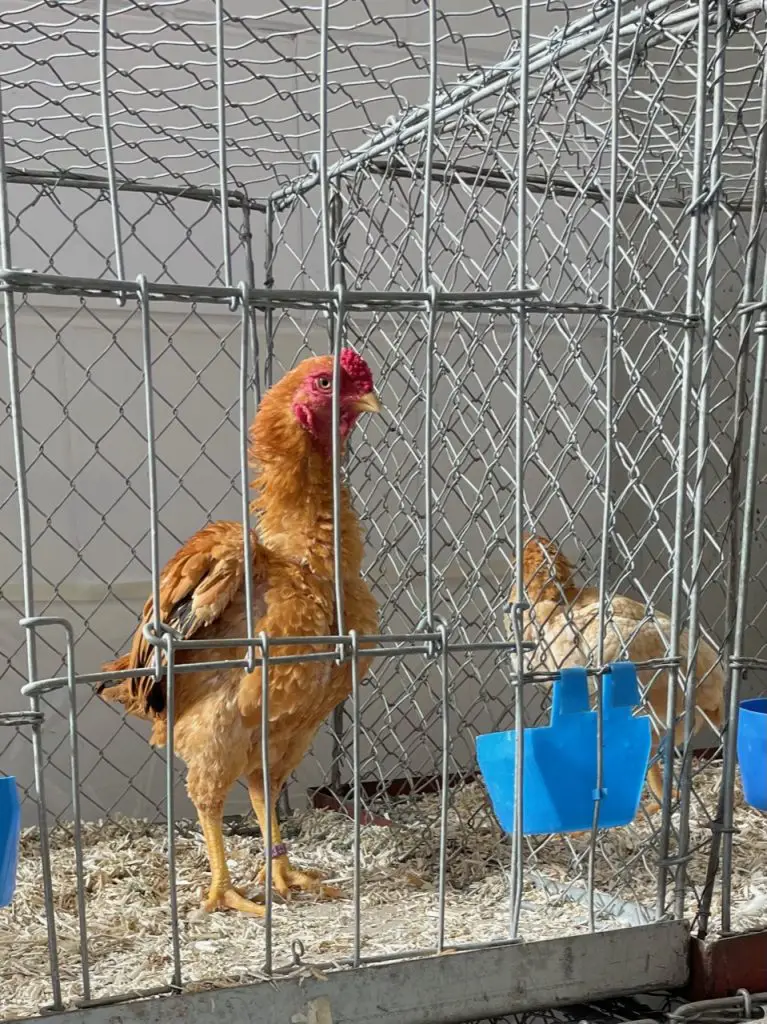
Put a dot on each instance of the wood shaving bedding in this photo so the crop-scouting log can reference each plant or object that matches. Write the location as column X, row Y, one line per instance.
column 128, row 916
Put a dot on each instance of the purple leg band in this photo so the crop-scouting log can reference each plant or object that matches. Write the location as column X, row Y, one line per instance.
column 279, row 850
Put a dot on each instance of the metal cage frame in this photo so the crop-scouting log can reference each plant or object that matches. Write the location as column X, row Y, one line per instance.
column 448, row 980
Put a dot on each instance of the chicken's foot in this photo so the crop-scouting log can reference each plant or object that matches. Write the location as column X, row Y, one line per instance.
column 655, row 785
column 285, row 878
column 222, row 894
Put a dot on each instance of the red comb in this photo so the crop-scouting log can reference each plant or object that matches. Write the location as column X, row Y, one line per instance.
column 355, row 366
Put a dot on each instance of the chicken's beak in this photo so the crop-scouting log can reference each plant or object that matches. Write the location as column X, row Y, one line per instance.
column 368, row 403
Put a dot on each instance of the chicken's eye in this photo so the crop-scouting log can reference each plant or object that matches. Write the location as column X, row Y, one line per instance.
column 324, row 383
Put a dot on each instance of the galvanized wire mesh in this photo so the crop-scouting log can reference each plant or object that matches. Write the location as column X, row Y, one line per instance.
column 744, row 1005
column 653, row 1006
column 617, row 177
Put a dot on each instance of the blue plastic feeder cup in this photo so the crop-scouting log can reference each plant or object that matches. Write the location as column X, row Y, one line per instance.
column 560, row 759
column 10, row 831
column 752, row 751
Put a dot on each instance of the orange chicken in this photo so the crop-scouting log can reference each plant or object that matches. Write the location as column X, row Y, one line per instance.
column 217, row 729
column 564, row 620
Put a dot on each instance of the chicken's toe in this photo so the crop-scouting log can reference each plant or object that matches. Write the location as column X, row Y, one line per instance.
column 232, row 899
column 653, row 806
column 287, row 879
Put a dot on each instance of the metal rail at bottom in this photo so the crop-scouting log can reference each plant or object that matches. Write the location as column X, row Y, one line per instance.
column 445, row 989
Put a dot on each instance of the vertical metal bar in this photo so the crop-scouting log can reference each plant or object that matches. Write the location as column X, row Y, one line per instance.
column 517, row 866
column 154, row 542
column 45, row 857
column 222, row 160
column 330, row 312
column 322, row 156
column 691, row 300
column 27, row 576
column 339, row 711
column 740, row 404
column 336, row 441
column 269, row 283
column 429, row 154
column 338, row 328
column 31, row 624
column 706, row 353
column 445, row 792
column 357, row 865
column 108, row 150
column 157, row 626
column 338, row 237
column 431, row 319
column 736, row 671
column 16, row 420
column 250, row 271
column 607, row 509
column 170, row 803
column 428, row 460
column 74, row 769
column 245, row 475
column 267, row 785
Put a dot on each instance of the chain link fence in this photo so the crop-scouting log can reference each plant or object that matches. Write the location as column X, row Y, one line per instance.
column 541, row 227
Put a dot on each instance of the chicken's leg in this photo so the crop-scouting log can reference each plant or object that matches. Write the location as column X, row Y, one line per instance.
column 222, row 893
column 284, row 876
column 655, row 784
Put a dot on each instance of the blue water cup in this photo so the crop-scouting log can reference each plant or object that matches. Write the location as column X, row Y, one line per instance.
column 752, row 751
column 10, row 832
column 560, row 759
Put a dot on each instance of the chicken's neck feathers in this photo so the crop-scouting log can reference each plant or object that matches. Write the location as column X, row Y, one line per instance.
column 294, row 511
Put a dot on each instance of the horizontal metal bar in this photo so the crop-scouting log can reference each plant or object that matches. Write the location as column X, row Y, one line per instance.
column 40, row 686
column 492, row 981
column 502, row 181
column 408, row 645
column 758, row 664
column 756, row 306
column 123, row 997
column 742, row 1004
column 32, row 281
column 387, row 958
column 340, row 639
column 262, row 298
column 74, row 179
column 19, row 718
column 293, row 641
column 668, row 317
column 441, row 298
